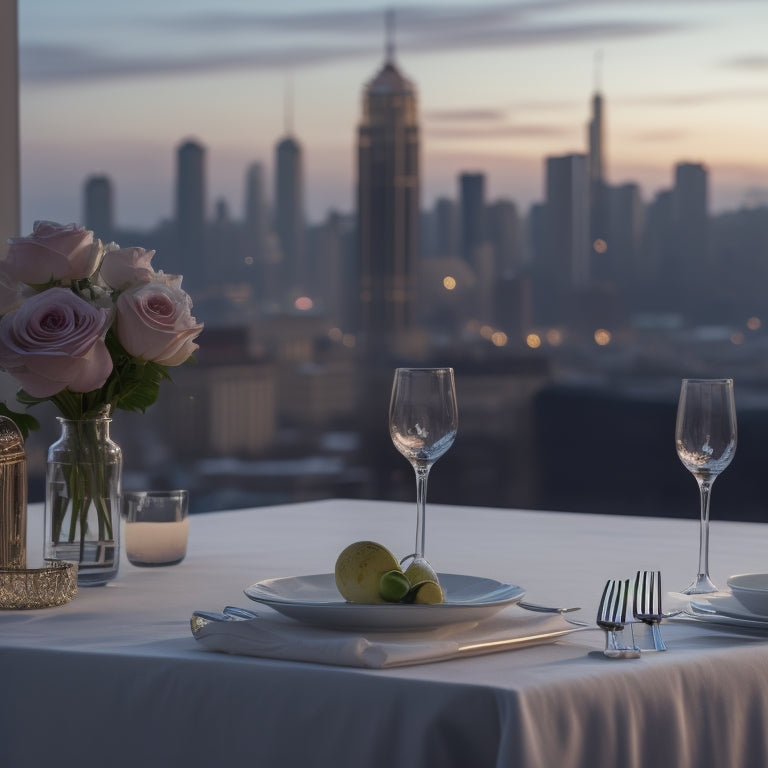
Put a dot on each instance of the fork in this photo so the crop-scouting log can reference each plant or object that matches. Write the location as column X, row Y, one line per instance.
column 611, row 616
column 647, row 604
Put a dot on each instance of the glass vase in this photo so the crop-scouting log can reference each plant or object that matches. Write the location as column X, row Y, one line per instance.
column 82, row 501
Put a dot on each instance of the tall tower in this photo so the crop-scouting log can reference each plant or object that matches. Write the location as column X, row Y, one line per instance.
column 289, row 208
column 473, row 214
column 190, row 214
column 388, row 204
column 98, row 207
column 599, row 224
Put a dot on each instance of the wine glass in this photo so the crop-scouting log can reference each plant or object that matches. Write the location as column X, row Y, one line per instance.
column 705, row 437
column 423, row 419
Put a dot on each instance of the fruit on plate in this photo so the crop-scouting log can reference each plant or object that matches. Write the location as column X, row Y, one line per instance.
column 421, row 570
column 428, row 593
column 394, row 586
column 425, row 586
column 359, row 569
column 367, row 572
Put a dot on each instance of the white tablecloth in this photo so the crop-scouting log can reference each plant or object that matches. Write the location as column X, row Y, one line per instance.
column 115, row 678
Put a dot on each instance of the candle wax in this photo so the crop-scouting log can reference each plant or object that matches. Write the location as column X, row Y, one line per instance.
column 156, row 542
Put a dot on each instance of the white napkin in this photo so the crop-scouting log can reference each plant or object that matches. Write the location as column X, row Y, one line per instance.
column 280, row 638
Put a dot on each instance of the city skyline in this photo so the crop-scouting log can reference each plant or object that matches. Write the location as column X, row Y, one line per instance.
column 702, row 99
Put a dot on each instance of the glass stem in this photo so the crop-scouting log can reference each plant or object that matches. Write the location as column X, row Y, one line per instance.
column 422, row 475
column 705, row 489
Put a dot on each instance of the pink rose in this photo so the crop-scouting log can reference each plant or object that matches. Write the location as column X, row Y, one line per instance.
column 125, row 267
column 53, row 252
column 155, row 323
column 10, row 295
column 55, row 340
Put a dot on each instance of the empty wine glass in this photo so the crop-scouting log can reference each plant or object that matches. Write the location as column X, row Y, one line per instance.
column 423, row 418
column 705, row 437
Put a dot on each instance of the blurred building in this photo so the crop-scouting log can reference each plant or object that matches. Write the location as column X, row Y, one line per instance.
column 253, row 249
column 446, row 219
column 289, row 217
column 98, row 207
column 694, row 268
column 190, row 216
column 505, row 235
column 625, row 241
column 474, row 230
column 388, row 206
column 563, row 266
column 599, row 204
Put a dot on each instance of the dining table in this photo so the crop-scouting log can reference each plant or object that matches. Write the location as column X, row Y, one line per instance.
column 116, row 677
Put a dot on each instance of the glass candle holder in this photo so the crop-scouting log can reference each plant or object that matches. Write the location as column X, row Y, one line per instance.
column 156, row 527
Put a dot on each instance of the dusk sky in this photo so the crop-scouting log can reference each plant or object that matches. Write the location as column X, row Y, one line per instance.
column 115, row 87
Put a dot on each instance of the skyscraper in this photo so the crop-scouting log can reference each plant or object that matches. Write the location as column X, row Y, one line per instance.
column 447, row 227
column 388, row 205
column 599, row 203
column 568, row 216
column 564, row 267
column 190, row 214
column 473, row 214
column 253, row 249
column 98, row 207
column 289, row 215
column 690, row 206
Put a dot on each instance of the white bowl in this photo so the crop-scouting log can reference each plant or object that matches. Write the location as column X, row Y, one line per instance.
column 751, row 590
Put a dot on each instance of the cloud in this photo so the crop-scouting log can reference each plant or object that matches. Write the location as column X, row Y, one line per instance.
column 465, row 115
column 293, row 40
column 661, row 136
column 757, row 62
column 695, row 99
column 55, row 63
column 499, row 132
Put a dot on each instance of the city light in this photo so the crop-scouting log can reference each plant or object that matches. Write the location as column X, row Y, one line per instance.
column 600, row 246
column 554, row 337
column 753, row 323
column 486, row 332
column 449, row 283
column 303, row 303
column 533, row 340
column 602, row 337
column 499, row 339
column 737, row 338
column 335, row 334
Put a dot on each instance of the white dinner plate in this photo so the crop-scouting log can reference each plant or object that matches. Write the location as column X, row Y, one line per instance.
column 316, row 600
column 725, row 609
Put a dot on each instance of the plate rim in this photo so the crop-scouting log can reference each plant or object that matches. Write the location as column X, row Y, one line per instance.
column 519, row 594
column 729, row 615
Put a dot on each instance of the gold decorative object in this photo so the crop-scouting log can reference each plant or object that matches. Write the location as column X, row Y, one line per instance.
column 53, row 584
column 13, row 496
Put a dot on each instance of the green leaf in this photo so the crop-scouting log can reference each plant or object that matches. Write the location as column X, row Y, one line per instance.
column 23, row 421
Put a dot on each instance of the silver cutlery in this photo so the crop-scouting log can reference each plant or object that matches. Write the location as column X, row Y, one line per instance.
column 546, row 608
column 647, row 604
column 612, row 616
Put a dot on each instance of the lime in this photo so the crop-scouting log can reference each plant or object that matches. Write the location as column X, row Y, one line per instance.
column 427, row 593
column 394, row 586
column 420, row 570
